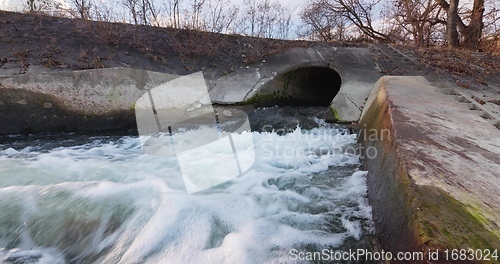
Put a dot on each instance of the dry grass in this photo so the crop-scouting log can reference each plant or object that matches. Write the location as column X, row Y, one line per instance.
column 491, row 45
column 494, row 101
column 107, row 33
column 460, row 62
column 195, row 44
column 255, row 49
column 78, row 44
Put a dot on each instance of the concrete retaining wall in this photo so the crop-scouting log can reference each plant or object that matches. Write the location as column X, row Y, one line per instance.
column 433, row 183
column 94, row 91
column 102, row 99
column 433, row 169
column 88, row 100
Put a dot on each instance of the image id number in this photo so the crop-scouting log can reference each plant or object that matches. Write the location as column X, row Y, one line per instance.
column 471, row 254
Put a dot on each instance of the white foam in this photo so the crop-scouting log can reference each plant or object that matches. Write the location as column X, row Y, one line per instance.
column 34, row 256
column 284, row 201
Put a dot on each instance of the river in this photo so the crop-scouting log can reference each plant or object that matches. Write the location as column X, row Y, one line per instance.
column 73, row 198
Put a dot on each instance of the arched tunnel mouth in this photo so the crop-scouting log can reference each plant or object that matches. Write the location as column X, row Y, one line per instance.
column 305, row 86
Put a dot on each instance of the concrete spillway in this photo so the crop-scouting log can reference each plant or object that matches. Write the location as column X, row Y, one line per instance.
column 433, row 169
column 433, row 182
column 104, row 98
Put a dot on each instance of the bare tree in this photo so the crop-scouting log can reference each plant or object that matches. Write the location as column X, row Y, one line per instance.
column 418, row 18
column 103, row 12
column 196, row 13
column 284, row 22
column 82, row 8
column 220, row 19
column 327, row 18
column 492, row 18
column 470, row 33
column 451, row 25
column 144, row 12
column 473, row 32
column 132, row 6
column 319, row 24
column 172, row 8
column 264, row 18
column 153, row 12
column 250, row 16
column 357, row 12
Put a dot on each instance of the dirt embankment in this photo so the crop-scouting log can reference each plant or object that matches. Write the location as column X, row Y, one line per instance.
column 36, row 43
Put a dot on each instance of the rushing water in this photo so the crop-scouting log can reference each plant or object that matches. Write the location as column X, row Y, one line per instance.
column 100, row 199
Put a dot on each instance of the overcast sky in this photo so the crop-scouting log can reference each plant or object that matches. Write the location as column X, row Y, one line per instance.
column 15, row 5
column 294, row 5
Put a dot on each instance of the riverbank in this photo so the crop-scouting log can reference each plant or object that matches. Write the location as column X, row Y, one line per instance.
column 37, row 43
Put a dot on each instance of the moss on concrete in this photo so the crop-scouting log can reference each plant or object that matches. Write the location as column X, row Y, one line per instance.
column 447, row 223
column 303, row 84
column 410, row 216
column 336, row 115
column 275, row 98
column 269, row 99
column 34, row 117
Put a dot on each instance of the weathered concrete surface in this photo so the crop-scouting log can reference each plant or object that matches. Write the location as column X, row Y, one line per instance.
column 356, row 67
column 481, row 99
column 244, row 83
column 104, row 93
column 92, row 91
column 435, row 182
column 89, row 100
column 307, row 84
column 359, row 72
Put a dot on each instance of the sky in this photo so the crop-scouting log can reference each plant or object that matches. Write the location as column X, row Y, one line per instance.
column 16, row 5
column 294, row 5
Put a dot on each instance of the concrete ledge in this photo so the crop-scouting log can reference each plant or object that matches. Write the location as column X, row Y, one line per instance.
column 88, row 100
column 95, row 91
column 359, row 72
column 433, row 168
column 25, row 112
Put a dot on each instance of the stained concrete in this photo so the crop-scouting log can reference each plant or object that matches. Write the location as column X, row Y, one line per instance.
column 244, row 83
column 87, row 100
column 107, row 92
column 434, row 181
column 355, row 66
column 359, row 72
column 480, row 99
column 93, row 91
column 309, row 85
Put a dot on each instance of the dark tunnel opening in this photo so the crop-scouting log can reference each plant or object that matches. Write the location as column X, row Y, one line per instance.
column 316, row 85
column 310, row 85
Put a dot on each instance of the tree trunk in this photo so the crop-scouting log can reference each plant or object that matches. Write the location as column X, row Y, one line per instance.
column 451, row 26
column 473, row 33
column 144, row 13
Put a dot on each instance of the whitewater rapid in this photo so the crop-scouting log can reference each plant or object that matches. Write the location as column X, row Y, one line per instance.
column 106, row 201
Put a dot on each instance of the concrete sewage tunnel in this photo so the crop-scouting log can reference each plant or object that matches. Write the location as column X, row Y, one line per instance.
column 303, row 85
